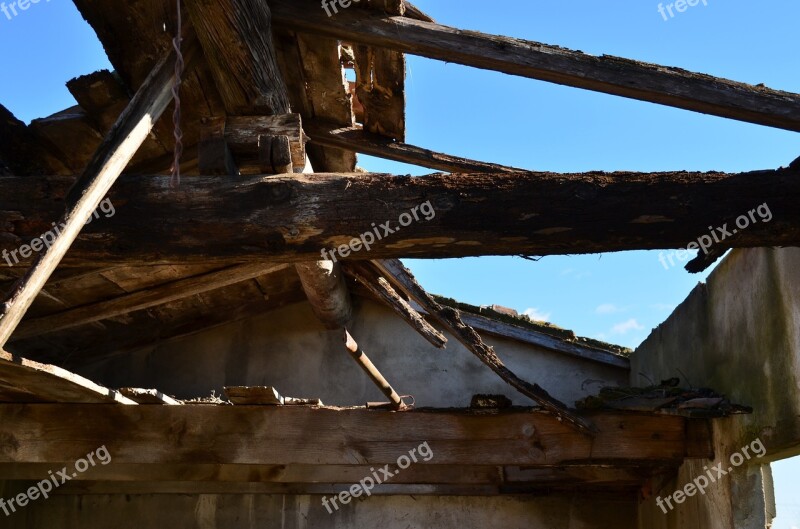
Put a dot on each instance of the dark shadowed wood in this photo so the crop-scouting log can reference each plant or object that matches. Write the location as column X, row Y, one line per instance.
column 450, row 319
column 287, row 435
column 144, row 300
column 613, row 75
column 25, row 381
column 356, row 139
column 23, row 152
column 291, row 218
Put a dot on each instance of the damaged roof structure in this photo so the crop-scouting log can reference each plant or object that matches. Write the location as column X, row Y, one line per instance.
column 261, row 266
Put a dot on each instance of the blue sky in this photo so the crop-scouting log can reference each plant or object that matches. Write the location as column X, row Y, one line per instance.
column 533, row 125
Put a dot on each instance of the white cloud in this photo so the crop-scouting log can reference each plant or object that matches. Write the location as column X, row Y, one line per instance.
column 537, row 315
column 607, row 308
column 626, row 326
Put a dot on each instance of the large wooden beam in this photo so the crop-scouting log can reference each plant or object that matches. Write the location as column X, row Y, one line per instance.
column 323, row 283
column 291, row 218
column 290, row 435
column 144, row 299
column 613, row 75
column 358, row 140
column 126, row 136
column 236, row 36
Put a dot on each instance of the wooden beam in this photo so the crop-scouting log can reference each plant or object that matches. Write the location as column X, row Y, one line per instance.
column 243, row 133
column 144, row 299
column 358, row 140
column 291, row 435
column 25, row 381
column 544, row 340
column 323, row 283
column 450, row 319
column 292, row 218
column 612, row 75
column 149, row 397
column 372, row 372
column 236, row 36
column 127, row 135
column 383, row 292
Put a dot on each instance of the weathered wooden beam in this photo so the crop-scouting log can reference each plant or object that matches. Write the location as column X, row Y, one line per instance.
column 372, row 372
column 145, row 299
column 291, row 218
column 25, row 381
column 613, row 75
column 236, row 38
column 290, row 435
column 450, row 319
column 214, row 156
column 130, row 131
column 383, row 291
column 243, row 135
column 358, row 140
column 323, row 283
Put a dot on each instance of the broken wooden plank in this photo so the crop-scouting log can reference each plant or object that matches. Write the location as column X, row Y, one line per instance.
column 451, row 320
column 25, row 381
column 130, row 131
column 613, row 75
column 264, row 396
column 292, row 218
column 383, row 292
column 144, row 299
column 360, row 141
column 149, row 396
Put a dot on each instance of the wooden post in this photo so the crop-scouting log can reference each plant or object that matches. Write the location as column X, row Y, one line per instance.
column 130, row 131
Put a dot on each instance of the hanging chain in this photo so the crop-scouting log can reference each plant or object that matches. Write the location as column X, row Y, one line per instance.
column 175, row 181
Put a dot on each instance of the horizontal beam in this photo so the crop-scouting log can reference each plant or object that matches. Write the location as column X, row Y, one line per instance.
column 144, row 299
column 358, row 140
column 612, row 75
column 289, row 435
column 292, row 218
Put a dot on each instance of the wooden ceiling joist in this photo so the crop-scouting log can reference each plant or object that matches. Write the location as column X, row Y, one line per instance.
column 144, row 299
column 358, row 140
column 292, row 218
column 613, row 75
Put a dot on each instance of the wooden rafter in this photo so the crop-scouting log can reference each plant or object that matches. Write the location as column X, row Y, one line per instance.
column 613, row 75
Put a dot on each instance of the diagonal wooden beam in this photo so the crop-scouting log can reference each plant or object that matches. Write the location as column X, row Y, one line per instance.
column 358, row 140
column 612, row 75
column 383, row 291
column 145, row 299
column 126, row 136
column 451, row 320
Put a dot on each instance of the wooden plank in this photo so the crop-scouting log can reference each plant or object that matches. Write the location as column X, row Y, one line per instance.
column 540, row 339
column 149, row 396
column 358, row 140
column 25, row 381
column 450, row 319
column 286, row 435
column 127, row 135
column 613, row 75
column 384, row 293
column 144, row 299
column 292, row 218
column 242, row 134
